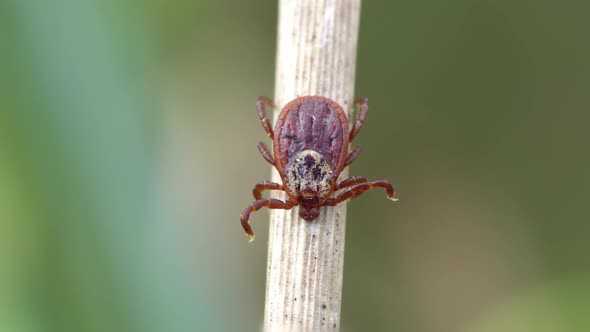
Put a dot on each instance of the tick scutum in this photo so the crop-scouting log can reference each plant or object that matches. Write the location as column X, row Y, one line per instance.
column 309, row 174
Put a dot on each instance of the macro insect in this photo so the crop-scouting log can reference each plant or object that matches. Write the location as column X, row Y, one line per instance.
column 310, row 149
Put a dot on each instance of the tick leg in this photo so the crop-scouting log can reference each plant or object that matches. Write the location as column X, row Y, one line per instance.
column 265, row 185
column 263, row 103
column 360, row 118
column 351, row 182
column 353, row 155
column 359, row 188
column 270, row 203
column 265, row 153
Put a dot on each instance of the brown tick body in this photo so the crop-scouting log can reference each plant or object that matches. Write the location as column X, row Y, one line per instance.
column 310, row 149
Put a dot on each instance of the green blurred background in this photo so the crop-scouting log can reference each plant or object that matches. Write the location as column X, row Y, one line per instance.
column 128, row 135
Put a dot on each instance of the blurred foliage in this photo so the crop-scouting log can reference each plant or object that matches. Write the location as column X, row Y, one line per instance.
column 127, row 151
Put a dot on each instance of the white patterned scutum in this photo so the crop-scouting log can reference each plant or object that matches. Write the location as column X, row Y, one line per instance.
column 309, row 171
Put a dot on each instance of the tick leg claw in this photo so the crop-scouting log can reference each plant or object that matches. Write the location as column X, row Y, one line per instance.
column 250, row 237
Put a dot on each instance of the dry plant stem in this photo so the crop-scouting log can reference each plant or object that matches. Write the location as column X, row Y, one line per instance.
column 317, row 42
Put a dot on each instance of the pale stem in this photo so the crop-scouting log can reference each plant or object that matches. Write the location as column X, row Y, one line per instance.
column 317, row 41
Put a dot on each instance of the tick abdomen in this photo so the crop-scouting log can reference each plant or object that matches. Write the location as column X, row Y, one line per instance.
column 312, row 123
column 309, row 172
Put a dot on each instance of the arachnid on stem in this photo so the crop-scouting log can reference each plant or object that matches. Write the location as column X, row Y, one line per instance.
column 310, row 149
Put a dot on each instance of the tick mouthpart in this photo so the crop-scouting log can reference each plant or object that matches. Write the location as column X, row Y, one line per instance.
column 309, row 214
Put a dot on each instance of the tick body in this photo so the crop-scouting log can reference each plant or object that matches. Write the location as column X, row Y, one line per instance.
column 310, row 149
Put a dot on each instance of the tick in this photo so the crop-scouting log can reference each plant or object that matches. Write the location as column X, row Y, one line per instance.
column 310, row 149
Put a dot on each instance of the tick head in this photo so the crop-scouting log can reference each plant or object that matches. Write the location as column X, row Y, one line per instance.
column 309, row 205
